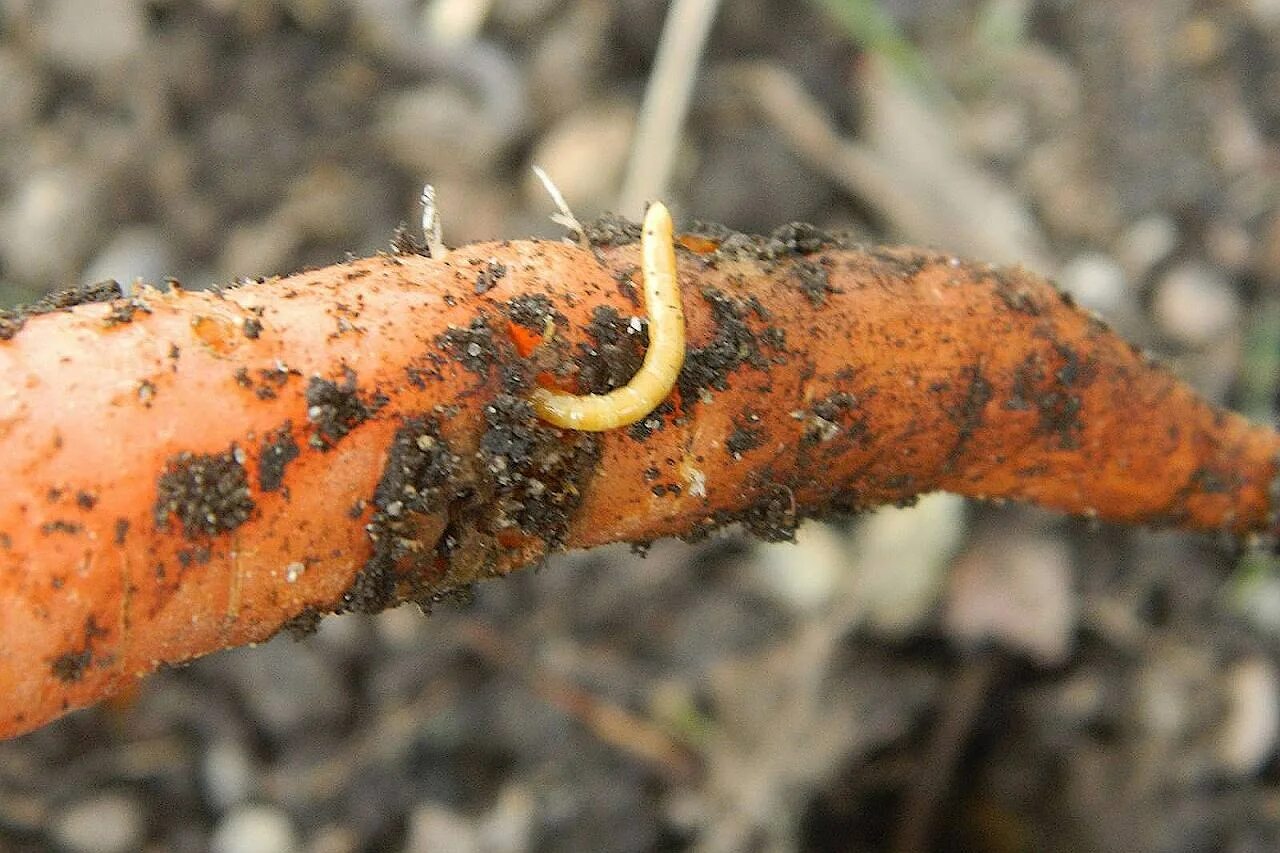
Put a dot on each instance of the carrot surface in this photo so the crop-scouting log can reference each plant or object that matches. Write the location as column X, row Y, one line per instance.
column 189, row 471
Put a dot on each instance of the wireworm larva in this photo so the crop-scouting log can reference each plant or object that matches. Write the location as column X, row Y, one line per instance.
column 663, row 359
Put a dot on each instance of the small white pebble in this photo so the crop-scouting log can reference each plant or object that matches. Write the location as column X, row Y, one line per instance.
column 1095, row 281
column 227, row 772
column 803, row 574
column 107, row 823
column 255, row 829
column 1196, row 305
column 1144, row 244
column 1247, row 737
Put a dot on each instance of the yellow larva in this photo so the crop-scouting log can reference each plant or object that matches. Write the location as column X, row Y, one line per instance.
column 662, row 361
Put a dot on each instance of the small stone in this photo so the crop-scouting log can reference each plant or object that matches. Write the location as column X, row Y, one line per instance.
column 585, row 155
column 1144, row 244
column 286, row 685
column 23, row 87
column 1015, row 592
column 1196, row 305
column 804, row 574
column 93, row 36
column 454, row 23
column 48, row 224
column 1265, row 13
column 107, row 823
column 508, row 826
column 227, row 771
column 437, row 129
column 255, row 829
column 1095, row 281
column 401, row 628
column 434, row 827
column 134, row 254
column 1247, row 737
column 901, row 560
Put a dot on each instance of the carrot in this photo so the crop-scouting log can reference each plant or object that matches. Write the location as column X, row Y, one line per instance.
column 184, row 472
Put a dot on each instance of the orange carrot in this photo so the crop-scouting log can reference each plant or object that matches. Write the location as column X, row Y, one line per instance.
column 185, row 472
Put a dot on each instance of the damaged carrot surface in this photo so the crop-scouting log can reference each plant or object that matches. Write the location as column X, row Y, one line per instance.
column 184, row 472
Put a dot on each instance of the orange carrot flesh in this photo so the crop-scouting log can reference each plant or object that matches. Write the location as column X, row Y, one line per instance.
column 186, row 472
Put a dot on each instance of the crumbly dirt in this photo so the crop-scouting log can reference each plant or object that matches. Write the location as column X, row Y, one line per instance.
column 277, row 451
column 13, row 319
column 207, row 493
column 336, row 408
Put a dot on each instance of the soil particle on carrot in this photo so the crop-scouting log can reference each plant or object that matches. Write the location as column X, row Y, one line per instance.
column 199, row 555
column 897, row 263
column 1013, row 291
column 794, row 240
column 969, row 414
column 519, row 488
column 124, row 310
column 615, row 354
column 655, row 421
column 1036, row 387
column 270, row 380
column 732, row 345
column 627, row 286
column 207, row 493
column 69, row 667
column 61, row 526
column 278, row 450
column 535, row 472
column 13, row 319
column 829, row 417
column 403, row 242
column 304, row 624
column 252, row 328
column 417, row 375
column 611, row 230
column 489, row 275
column 747, row 434
column 421, row 476
column 335, row 409
column 815, row 282
column 772, row 516
column 473, row 347
column 531, row 311
column 800, row 238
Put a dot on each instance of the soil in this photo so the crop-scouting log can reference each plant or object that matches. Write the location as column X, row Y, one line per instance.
column 945, row 677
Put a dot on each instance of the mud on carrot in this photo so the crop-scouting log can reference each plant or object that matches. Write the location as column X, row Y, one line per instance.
column 185, row 472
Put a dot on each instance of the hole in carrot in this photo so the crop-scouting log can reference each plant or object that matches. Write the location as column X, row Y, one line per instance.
column 525, row 340
column 698, row 244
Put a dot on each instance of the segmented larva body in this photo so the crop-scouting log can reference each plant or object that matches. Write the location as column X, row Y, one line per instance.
column 662, row 361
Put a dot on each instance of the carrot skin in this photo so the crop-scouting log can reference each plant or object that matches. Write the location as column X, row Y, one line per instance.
column 192, row 471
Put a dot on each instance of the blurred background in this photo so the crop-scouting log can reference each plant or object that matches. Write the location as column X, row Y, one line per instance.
column 951, row 676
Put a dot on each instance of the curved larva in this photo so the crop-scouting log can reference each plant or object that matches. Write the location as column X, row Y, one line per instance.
column 662, row 361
